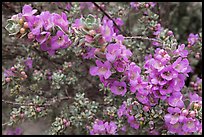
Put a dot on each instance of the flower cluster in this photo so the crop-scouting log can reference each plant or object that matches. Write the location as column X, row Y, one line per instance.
column 103, row 128
column 140, row 5
column 49, row 30
column 183, row 120
column 167, row 72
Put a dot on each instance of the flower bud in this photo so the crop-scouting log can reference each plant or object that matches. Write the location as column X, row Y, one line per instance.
column 197, row 56
column 67, row 124
column 147, row 5
column 170, row 33
column 21, row 21
column 21, row 115
column 13, row 68
column 92, row 32
column 192, row 84
column 200, row 103
column 64, row 121
column 23, row 73
column 192, row 114
column 25, row 76
column 22, row 30
column 38, row 109
column 196, row 105
column 185, row 112
column 25, row 25
column 8, row 79
column 145, row 108
column 31, row 36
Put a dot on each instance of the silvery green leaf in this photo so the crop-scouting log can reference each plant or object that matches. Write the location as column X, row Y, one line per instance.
column 12, row 28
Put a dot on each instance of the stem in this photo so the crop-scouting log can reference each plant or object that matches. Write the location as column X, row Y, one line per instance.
column 105, row 13
column 27, row 104
column 143, row 38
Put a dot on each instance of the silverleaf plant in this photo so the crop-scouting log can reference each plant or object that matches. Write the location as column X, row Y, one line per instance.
column 92, row 71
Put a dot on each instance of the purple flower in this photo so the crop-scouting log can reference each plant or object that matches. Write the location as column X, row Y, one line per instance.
column 178, row 82
column 35, row 24
column 139, row 85
column 111, row 128
column 8, row 73
column 181, row 65
column 143, row 99
column 120, row 65
column 29, row 63
column 77, row 24
column 90, row 53
column 175, row 128
column 168, row 73
column 175, row 100
column 61, row 40
column 193, row 38
column 47, row 20
column 190, row 125
column 133, row 72
column 158, row 29
column 174, row 115
column 43, row 37
column 61, row 21
column 194, row 97
column 113, row 50
column 122, row 110
column 28, row 11
column 133, row 123
column 102, row 69
column 162, row 55
column 181, row 51
column 107, row 30
column 118, row 88
column 98, row 128
column 156, row 78
column 157, row 64
column 119, row 22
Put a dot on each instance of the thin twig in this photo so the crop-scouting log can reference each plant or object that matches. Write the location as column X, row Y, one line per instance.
column 105, row 13
column 143, row 38
column 27, row 104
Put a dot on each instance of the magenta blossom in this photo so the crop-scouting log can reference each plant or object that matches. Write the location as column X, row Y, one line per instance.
column 180, row 65
column 193, row 38
column 35, row 24
column 175, row 100
column 118, row 88
column 168, row 73
column 28, row 11
column 107, row 30
column 61, row 40
column 29, row 63
column 102, row 69
column 111, row 128
column 61, row 21
column 113, row 50
column 181, row 51
column 133, row 122
column 43, row 37
column 47, row 20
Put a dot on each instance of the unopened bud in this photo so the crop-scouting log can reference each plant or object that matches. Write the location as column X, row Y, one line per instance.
column 22, row 30
column 23, row 73
column 8, row 79
column 25, row 25
column 192, row 114
column 185, row 112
